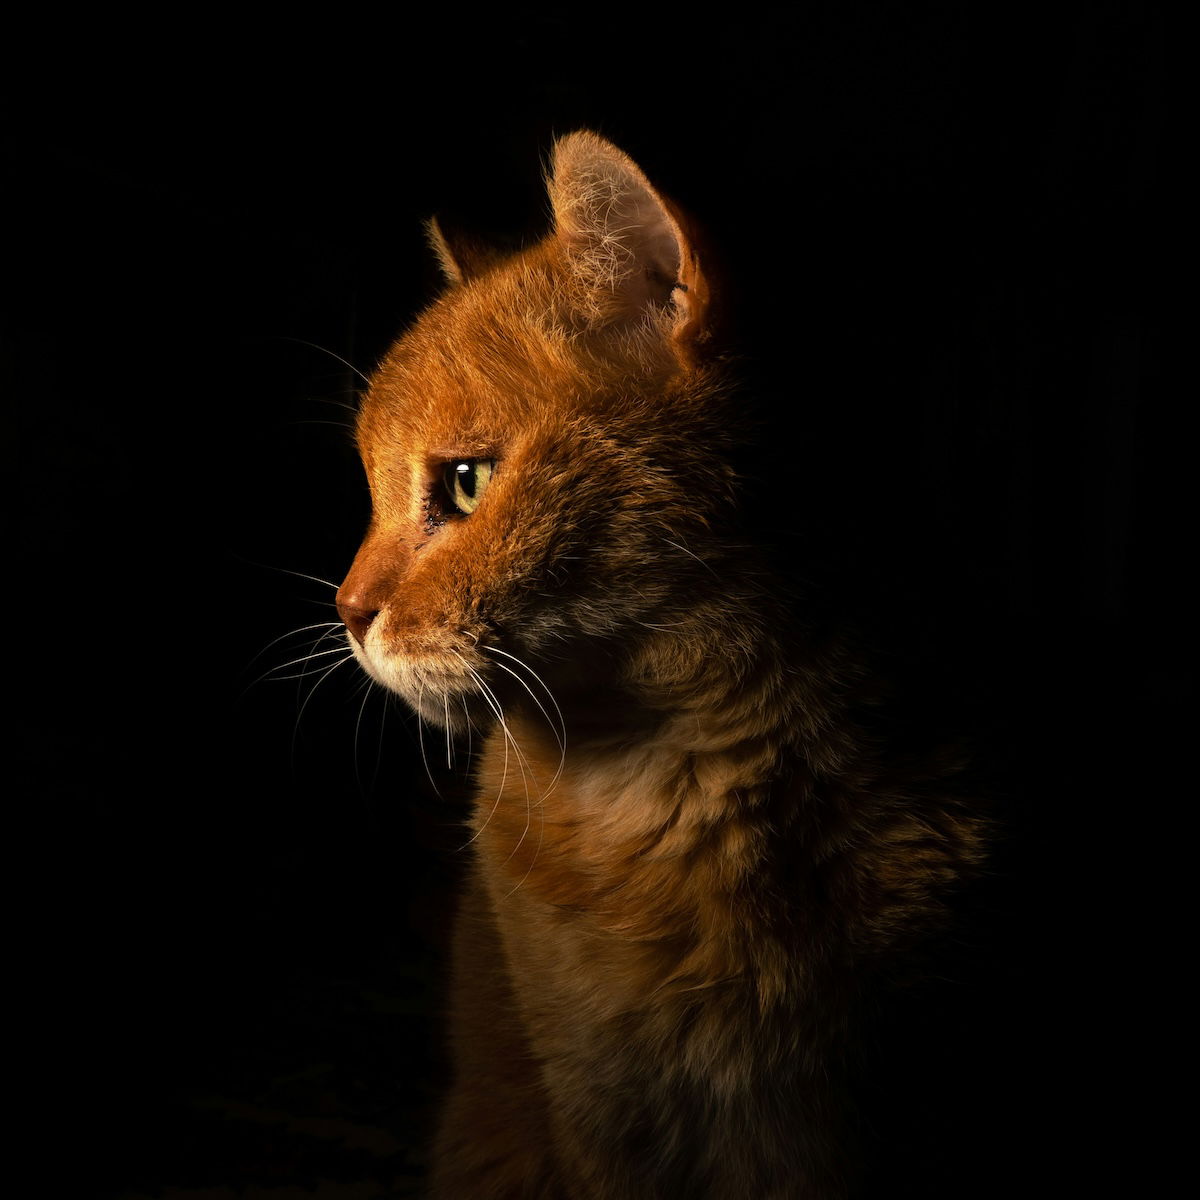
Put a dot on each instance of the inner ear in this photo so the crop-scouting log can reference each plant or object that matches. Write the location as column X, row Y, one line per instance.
column 650, row 237
column 623, row 242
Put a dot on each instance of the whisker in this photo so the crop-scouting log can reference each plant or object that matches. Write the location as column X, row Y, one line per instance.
column 689, row 553
column 326, row 625
column 303, row 575
column 541, row 708
column 559, row 731
column 526, row 776
column 307, row 658
column 272, row 673
column 345, row 426
column 562, row 744
column 288, row 571
column 467, row 716
column 503, row 780
column 526, row 771
column 311, row 692
column 421, row 741
column 325, row 350
column 537, row 850
column 383, row 712
column 309, row 674
column 368, row 686
column 545, row 687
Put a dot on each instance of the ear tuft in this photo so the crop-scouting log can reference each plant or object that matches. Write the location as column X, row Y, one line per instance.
column 460, row 257
column 624, row 241
column 441, row 249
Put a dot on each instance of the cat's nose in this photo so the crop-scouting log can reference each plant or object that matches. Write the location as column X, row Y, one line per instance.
column 356, row 615
column 368, row 584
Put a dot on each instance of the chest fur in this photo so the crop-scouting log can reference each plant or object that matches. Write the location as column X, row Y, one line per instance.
column 619, row 879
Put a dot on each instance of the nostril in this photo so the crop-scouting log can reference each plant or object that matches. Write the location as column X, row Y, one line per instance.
column 356, row 618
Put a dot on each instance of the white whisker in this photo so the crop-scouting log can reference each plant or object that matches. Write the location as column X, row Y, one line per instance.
column 421, row 741
column 362, row 708
column 312, row 691
column 325, row 350
column 545, row 686
column 503, row 774
column 559, row 730
column 326, row 625
column 467, row 718
column 526, row 769
column 304, row 575
column 314, row 671
column 689, row 553
column 273, row 673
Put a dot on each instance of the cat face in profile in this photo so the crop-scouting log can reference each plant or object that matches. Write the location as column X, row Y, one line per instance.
column 543, row 453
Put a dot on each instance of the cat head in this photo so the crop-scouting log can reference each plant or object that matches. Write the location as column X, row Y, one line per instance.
column 544, row 449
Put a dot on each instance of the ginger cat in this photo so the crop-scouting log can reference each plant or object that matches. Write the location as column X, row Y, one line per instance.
column 688, row 862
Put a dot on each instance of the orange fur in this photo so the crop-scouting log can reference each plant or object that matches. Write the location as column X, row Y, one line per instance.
column 668, row 917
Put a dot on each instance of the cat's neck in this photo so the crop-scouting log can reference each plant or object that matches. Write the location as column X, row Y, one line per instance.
column 657, row 825
column 723, row 676
column 705, row 723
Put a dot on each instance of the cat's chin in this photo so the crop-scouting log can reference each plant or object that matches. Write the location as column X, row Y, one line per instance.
column 441, row 711
column 442, row 691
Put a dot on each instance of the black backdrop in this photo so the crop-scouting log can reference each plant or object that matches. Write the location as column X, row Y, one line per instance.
column 236, row 887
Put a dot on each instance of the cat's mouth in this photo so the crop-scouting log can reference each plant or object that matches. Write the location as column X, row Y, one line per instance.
column 460, row 687
column 443, row 685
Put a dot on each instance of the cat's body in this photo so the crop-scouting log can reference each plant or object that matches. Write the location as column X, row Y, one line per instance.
column 690, row 862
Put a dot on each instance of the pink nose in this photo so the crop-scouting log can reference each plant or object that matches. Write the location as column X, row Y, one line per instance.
column 356, row 615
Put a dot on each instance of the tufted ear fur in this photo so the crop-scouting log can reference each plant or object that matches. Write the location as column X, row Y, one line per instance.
column 460, row 257
column 628, row 250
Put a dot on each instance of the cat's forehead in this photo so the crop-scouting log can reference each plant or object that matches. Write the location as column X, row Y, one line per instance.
column 468, row 367
column 440, row 391
column 502, row 353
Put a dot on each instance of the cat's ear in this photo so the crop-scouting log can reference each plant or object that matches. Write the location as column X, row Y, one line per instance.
column 626, row 244
column 460, row 257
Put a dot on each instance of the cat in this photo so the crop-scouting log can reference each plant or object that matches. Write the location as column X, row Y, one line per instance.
column 690, row 860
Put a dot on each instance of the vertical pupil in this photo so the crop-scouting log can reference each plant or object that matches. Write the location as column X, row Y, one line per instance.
column 466, row 478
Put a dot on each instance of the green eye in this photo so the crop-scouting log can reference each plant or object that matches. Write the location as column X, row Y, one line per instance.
column 465, row 481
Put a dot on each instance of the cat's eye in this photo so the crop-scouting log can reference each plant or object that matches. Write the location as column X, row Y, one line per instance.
column 465, row 481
